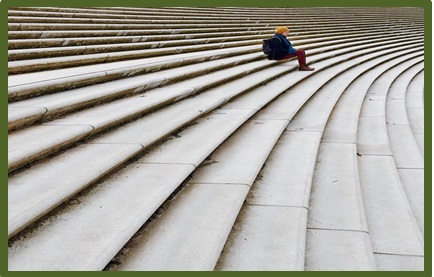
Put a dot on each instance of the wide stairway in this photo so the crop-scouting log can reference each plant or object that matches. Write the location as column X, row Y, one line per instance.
column 163, row 139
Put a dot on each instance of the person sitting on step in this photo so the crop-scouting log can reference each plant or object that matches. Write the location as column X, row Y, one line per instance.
column 282, row 49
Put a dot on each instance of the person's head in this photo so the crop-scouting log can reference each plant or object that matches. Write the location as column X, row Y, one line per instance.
column 282, row 31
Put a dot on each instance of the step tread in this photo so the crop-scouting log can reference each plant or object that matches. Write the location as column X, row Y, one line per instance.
column 399, row 262
column 23, row 148
column 17, row 114
column 73, row 99
column 213, row 221
column 126, row 66
column 66, row 231
column 46, row 197
column 335, row 201
column 98, row 118
column 31, row 193
column 275, row 210
column 266, row 240
column 328, row 254
column 343, row 124
column 391, row 223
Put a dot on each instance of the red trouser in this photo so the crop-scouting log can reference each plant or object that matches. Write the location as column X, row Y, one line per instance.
column 301, row 57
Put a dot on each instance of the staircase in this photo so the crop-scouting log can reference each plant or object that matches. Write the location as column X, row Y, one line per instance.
column 163, row 139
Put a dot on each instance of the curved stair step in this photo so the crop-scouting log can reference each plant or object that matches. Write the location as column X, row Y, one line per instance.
column 20, row 154
column 37, row 83
column 57, row 61
column 151, row 174
column 106, row 116
column 190, row 165
column 270, row 230
column 29, row 42
column 87, row 92
column 33, row 65
column 47, row 52
column 222, row 192
column 266, row 191
column 415, row 108
column 240, row 84
column 342, row 125
column 152, row 122
column 163, row 40
column 82, row 13
column 20, row 89
column 372, row 132
column 71, row 100
column 408, row 159
column 296, row 32
column 391, row 222
column 71, row 34
column 340, row 129
column 394, row 233
column 210, row 174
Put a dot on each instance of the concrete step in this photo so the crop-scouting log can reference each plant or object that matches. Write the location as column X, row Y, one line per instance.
column 112, row 20
column 389, row 13
column 241, row 85
column 113, row 114
column 153, row 35
column 18, row 89
column 15, row 55
column 154, row 120
column 138, row 50
column 392, row 224
column 393, row 229
column 218, row 130
column 19, row 49
column 69, row 101
column 241, row 111
column 215, row 199
column 270, row 230
column 21, row 154
column 66, row 50
column 203, row 21
column 415, row 108
column 47, row 52
column 157, row 14
column 408, row 159
column 23, row 40
column 272, row 191
column 14, row 67
column 33, row 65
column 372, row 117
column 97, row 13
column 33, row 84
column 145, row 254
column 62, row 79
column 28, row 48
column 340, row 130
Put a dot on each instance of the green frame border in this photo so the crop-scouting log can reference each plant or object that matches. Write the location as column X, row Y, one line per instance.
column 426, row 4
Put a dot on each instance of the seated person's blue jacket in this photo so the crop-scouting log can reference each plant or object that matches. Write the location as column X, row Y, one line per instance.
column 281, row 47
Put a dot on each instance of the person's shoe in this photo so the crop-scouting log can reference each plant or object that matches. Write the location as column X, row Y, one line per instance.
column 305, row 68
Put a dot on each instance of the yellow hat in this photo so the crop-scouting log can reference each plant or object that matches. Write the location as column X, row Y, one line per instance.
column 281, row 30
